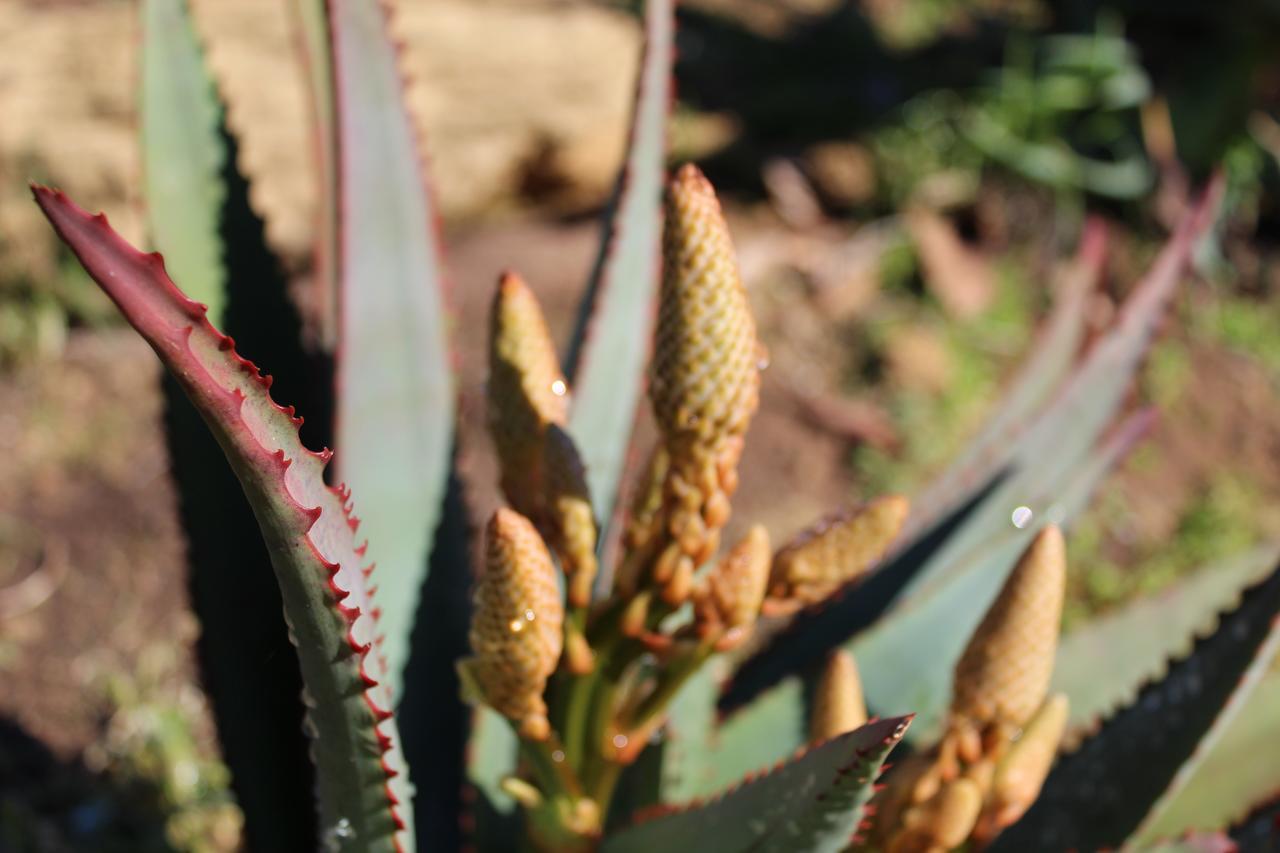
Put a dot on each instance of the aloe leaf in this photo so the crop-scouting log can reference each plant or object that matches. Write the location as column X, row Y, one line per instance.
column 308, row 528
column 773, row 726
column 907, row 660
column 311, row 19
column 491, row 758
column 611, row 340
column 1151, row 631
column 1120, row 780
column 1065, row 431
column 182, row 150
column 1045, row 460
column 1229, row 778
column 199, row 215
column 688, row 765
column 395, row 397
column 813, row 802
column 1048, row 363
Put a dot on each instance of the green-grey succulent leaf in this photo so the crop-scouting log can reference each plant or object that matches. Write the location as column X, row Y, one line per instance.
column 312, row 22
column 1116, row 786
column 1228, row 779
column 813, row 802
column 760, row 734
column 308, row 528
column 182, row 151
column 611, row 342
column 1152, row 631
column 690, row 768
column 491, row 758
column 1048, row 364
column 395, row 399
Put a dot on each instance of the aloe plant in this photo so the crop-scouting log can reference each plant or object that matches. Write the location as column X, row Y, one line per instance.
column 595, row 644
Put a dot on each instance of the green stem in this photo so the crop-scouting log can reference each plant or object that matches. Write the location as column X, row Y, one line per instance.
column 671, row 679
column 555, row 778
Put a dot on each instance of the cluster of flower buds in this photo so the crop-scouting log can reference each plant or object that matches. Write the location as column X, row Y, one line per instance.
column 1002, row 732
column 517, row 625
column 704, row 384
column 528, row 401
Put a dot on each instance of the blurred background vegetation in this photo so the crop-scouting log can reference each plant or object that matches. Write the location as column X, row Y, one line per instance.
column 906, row 178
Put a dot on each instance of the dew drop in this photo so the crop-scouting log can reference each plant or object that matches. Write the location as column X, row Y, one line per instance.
column 619, row 741
column 1022, row 516
column 339, row 832
column 557, row 756
column 559, row 388
column 529, row 615
column 516, row 626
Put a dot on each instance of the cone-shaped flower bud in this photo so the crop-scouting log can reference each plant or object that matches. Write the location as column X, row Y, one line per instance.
column 1021, row 774
column 727, row 603
column 836, row 550
column 838, row 705
column 1003, row 675
column 705, row 375
column 526, row 393
column 517, row 623
column 570, row 524
column 943, row 823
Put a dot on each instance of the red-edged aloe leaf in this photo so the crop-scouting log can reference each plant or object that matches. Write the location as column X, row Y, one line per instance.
column 1065, row 431
column 1151, row 631
column 1229, row 779
column 199, row 215
column 610, row 345
column 312, row 28
column 395, row 392
column 1045, row 460
column 307, row 526
column 813, row 802
column 1119, row 781
column 1048, row 363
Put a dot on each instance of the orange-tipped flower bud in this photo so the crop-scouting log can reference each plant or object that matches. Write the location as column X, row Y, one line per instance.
column 1003, row 675
column 542, row 475
column 705, row 376
column 526, row 393
column 727, row 603
column 943, row 823
column 1021, row 774
column 836, row 550
column 517, row 623
column 838, row 705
